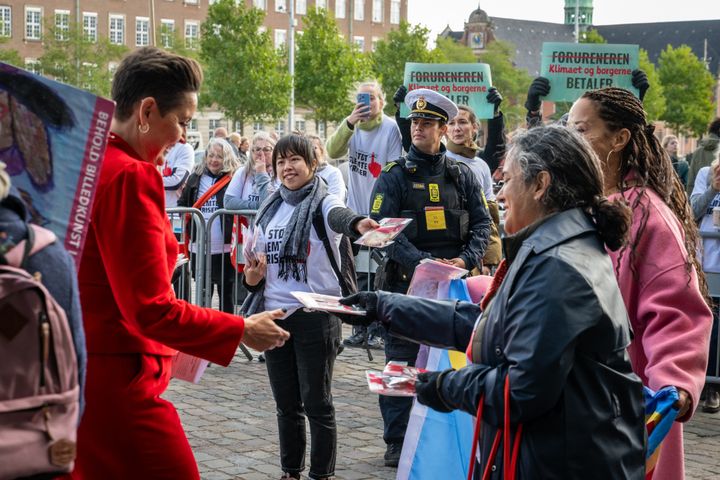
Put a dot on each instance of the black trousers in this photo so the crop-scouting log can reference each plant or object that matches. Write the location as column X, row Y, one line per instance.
column 300, row 374
column 222, row 276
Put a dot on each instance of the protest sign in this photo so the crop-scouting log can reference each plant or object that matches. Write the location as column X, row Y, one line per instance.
column 52, row 139
column 463, row 83
column 574, row 68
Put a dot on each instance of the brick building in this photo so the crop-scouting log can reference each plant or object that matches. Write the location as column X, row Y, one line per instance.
column 137, row 23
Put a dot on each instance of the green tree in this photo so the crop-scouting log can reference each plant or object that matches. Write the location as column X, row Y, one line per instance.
column 512, row 82
column 323, row 54
column 70, row 57
column 592, row 36
column 245, row 75
column 654, row 101
column 688, row 89
column 406, row 44
column 9, row 55
column 451, row 51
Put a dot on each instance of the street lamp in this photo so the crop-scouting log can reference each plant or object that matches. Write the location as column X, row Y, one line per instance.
column 291, row 65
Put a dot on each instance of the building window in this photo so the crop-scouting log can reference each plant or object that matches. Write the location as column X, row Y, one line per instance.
column 321, row 4
column 117, row 29
column 214, row 123
column 280, row 38
column 261, row 4
column 377, row 11
column 300, row 126
column 373, row 45
column 62, row 25
column 142, row 31
column 340, row 8
column 301, row 7
column 257, row 127
column 395, row 11
column 359, row 10
column 320, row 129
column 33, row 23
column 280, row 128
column 281, row 5
column 193, row 125
column 191, row 2
column 360, row 43
column 192, row 34
column 32, row 65
column 90, row 26
column 5, row 21
column 167, row 32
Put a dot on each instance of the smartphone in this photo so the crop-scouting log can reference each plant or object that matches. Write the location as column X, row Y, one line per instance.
column 364, row 98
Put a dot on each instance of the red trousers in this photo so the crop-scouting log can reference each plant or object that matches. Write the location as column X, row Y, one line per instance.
column 127, row 430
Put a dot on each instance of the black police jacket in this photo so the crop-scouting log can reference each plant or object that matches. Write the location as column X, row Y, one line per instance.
column 392, row 196
column 559, row 328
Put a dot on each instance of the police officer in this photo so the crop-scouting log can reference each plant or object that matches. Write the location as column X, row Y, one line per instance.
column 450, row 224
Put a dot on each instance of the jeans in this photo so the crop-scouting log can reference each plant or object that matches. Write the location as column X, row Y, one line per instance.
column 300, row 375
column 396, row 410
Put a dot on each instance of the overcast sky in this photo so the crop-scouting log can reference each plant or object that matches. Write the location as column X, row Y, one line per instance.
column 436, row 14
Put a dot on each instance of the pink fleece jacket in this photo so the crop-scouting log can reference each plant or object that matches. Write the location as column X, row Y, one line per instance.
column 670, row 320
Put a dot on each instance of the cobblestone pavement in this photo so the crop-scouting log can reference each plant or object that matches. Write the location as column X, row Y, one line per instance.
column 230, row 421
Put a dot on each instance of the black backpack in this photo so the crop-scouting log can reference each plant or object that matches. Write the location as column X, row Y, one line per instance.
column 346, row 276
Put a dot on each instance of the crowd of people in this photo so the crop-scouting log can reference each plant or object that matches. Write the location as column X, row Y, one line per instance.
column 598, row 282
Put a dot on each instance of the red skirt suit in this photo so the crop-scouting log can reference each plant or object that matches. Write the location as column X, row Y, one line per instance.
column 134, row 324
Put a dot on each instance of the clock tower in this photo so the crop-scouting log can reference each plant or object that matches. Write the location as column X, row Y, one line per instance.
column 478, row 31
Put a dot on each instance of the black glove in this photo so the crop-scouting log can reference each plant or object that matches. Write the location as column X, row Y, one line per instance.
column 539, row 87
column 640, row 81
column 365, row 300
column 399, row 96
column 495, row 98
column 427, row 388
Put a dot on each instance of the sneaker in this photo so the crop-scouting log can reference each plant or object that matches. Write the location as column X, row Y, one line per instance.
column 354, row 340
column 712, row 401
column 392, row 454
column 376, row 343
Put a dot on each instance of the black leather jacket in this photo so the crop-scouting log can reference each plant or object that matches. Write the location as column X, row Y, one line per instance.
column 558, row 326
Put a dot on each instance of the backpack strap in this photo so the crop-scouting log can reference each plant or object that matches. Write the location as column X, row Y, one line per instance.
column 319, row 225
column 37, row 239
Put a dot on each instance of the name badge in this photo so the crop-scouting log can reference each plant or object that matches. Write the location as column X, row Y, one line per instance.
column 435, row 218
column 434, row 192
column 418, row 186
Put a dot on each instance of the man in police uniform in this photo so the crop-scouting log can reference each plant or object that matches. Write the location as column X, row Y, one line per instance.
column 450, row 224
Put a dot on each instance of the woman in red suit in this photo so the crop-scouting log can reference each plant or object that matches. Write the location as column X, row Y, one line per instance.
column 134, row 323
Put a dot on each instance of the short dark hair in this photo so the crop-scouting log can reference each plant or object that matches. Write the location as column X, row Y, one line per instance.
column 294, row 144
column 152, row 72
column 714, row 127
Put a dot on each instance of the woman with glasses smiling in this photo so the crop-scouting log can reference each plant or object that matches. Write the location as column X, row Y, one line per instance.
column 250, row 185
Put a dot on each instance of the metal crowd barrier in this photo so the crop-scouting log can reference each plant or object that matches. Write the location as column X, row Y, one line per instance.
column 713, row 283
column 178, row 217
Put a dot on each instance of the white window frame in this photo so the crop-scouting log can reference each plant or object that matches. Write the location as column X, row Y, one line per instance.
column 359, row 13
column 281, row 6
column 373, row 43
column 280, row 128
column 90, row 32
column 359, row 41
column 191, row 2
column 261, row 4
column 62, row 25
column 33, row 27
column 321, row 4
column 142, row 34
column 300, row 125
column 192, row 41
column 5, row 21
column 340, row 12
column 258, row 127
column 395, row 8
column 113, row 31
column 32, row 65
column 167, row 32
column 280, row 37
column 300, row 7
column 378, row 7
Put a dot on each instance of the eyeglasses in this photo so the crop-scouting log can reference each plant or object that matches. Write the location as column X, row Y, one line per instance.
column 263, row 149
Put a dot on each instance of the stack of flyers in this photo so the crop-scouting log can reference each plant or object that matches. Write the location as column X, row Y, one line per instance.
column 252, row 246
column 432, row 278
column 383, row 235
column 326, row 303
column 396, row 380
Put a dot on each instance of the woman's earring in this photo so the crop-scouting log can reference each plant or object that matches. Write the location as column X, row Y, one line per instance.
column 607, row 159
column 144, row 128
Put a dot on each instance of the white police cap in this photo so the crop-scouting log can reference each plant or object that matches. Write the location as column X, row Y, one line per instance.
column 425, row 103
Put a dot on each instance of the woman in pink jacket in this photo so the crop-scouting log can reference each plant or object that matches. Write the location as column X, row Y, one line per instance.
column 658, row 272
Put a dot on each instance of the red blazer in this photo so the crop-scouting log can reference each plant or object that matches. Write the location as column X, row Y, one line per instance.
column 127, row 299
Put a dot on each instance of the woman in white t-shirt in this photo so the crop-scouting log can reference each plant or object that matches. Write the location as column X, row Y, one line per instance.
column 292, row 257
column 252, row 184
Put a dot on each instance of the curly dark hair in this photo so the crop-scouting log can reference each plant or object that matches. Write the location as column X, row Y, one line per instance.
column 644, row 155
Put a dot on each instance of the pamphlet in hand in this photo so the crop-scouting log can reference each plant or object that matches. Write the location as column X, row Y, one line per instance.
column 431, row 278
column 396, row 380
column 326, row 303
column 252, row 246
column 188, row 368
column 383, row 235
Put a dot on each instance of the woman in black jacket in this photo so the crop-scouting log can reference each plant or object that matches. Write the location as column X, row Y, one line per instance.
column 553, row 325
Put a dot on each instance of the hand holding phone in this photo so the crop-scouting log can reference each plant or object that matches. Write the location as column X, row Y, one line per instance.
column 364, row 98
